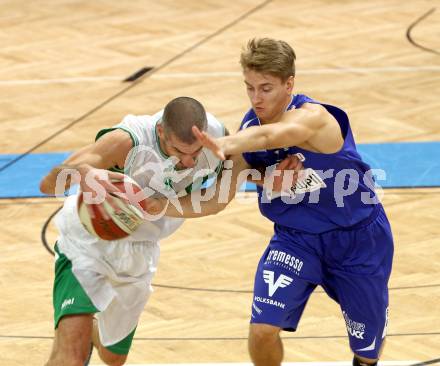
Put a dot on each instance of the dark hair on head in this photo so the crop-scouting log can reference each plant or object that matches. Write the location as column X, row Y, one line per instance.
column 180, row 115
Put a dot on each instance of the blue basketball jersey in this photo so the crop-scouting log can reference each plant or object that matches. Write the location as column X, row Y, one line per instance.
column 335, row 190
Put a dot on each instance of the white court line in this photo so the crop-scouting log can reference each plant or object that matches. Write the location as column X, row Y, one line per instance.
column 336, row 363
column 62, row 80
column 94, row 79
column 341, row 70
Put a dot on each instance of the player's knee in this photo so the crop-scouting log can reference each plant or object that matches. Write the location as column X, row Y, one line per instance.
column 362, row 361
column 119, row 361
column 112, row 359
column 263, row 334
column 66, row 360
column 68, row 356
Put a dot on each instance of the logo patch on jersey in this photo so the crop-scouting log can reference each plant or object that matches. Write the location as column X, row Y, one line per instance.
column 67, row 302
column 282, row 281
column 308, row 181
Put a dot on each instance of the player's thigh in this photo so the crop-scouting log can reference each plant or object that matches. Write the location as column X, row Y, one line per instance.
column 73, row 336
column 286, row 276
column 69, row 296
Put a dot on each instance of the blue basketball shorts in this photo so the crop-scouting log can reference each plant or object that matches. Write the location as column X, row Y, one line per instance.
column 352, row 266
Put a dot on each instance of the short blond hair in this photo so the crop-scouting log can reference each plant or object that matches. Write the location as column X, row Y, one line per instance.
column 269, row 56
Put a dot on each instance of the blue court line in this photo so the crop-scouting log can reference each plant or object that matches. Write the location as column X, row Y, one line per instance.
column 22, row 179
column 407, row 164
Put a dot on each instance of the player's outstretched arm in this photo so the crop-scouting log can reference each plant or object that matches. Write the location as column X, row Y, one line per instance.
column 207, row 201
column 295, row 127
column 110, row 150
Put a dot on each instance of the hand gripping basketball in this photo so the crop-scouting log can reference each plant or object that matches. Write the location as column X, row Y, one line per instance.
column 118, row 214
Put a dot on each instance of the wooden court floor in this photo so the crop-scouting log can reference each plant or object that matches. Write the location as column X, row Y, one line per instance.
column 62, row 65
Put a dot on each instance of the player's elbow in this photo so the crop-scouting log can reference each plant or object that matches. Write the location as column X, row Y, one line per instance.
column 221, row 205
column 45, row 186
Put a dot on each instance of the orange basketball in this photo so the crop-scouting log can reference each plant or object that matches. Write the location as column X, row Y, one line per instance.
column 123, row 211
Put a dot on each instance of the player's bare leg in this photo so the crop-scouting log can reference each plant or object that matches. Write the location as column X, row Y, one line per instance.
column 73, row 336
column 265, row 346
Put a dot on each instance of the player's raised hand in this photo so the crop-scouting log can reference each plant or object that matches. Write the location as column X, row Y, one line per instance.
column 286, row 169
column 211, row 143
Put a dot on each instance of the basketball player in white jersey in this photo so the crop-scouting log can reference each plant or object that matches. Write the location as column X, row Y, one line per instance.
column 111, row 280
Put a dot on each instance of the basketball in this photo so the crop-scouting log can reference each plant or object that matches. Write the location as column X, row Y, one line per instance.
column 123, row 211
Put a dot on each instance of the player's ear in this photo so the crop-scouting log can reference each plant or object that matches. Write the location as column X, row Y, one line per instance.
column 290, row 82
column 160, row 131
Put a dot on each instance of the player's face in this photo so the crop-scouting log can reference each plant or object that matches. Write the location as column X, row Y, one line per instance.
column 269, row 95
column 186, row 153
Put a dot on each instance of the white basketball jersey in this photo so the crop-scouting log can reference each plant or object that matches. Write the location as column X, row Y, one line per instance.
column 154, row 171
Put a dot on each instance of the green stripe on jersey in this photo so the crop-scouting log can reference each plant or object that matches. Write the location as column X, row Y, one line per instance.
column 133, row 136
column 134, row 140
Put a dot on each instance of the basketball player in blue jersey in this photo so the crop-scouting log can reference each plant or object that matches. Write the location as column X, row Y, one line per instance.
column 329, row 227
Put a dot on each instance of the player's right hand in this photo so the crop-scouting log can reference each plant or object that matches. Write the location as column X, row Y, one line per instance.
column 96, row 185
column 292, row 164
column 97, row 181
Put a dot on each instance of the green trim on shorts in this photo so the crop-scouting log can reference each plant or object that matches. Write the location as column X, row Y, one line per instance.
column 69, row 297
column 122, row 347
